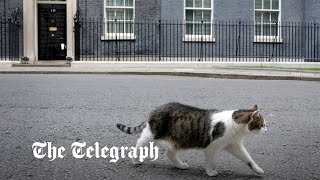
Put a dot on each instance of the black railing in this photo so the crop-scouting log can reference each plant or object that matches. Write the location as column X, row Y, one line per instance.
column 176, row 40
column 10, row 40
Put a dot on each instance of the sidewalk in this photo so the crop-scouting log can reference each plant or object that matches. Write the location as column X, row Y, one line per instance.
column 234, row 70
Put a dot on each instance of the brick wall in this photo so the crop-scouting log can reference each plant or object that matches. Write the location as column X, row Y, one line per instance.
column 7, row 6
column 312, row 10
column 226, row 10
column 10, row 43
column 145, row 12
column 312, row 17
column 235, row 40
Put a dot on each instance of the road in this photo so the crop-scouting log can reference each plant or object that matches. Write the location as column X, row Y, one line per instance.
column 63, row 109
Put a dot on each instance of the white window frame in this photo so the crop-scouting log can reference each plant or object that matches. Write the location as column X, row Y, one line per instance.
column 263, row 38
column 50, row 1
column 115, row 35
column 198, row 38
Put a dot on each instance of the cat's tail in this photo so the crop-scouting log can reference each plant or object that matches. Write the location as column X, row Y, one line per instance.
column 131, row 130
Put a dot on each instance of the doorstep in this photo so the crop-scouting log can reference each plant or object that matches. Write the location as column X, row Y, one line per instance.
column 52, row 63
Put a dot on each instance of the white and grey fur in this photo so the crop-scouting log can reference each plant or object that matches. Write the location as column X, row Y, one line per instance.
column 185, row 127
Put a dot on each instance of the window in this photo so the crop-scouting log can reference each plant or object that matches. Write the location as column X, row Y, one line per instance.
column 119, row 19
column 198, row 18
column 267, row 18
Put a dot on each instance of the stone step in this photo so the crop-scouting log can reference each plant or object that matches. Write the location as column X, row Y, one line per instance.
column 43, row 64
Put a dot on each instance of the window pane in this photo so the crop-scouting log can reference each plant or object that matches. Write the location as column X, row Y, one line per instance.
column 189, row 3
column 129, row 14
column 198, row 3
column 266, row 16
column 120, row 27
column 258, row 30
column 207, row 3
column 189, row 29
column 274, row 30
column 197, row 29
column 266, row 29
column 110, row 27
column 258, row 4
column 129, row 3
column 266, row 4
column 197, row 16
column 274, row 17
column 129, row 27
column 207, row 29
column 110, row 2
column 258, row 16
column 119, row 2
column 120, row 14
column 207, row 16
column 110, row 14
column 275, row 4
column 189, row 15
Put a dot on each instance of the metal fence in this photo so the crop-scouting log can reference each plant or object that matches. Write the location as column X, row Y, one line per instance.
column 175, row 40
column 10, row 40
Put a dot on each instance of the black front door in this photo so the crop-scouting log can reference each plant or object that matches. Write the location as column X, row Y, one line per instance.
column 52, row 31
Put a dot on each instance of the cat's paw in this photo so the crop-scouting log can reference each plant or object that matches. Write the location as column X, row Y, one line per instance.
column 183, row 166
column 212, row 172
column 258, row 170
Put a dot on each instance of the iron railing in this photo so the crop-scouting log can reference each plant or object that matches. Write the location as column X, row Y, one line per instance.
column 172, row 40
column 10, row 40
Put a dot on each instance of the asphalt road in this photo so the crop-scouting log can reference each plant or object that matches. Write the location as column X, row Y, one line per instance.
column 63, row 109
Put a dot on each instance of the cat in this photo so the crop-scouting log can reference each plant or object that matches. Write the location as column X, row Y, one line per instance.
column 185, row 127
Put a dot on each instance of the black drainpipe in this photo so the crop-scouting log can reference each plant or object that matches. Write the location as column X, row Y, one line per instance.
column 160, row 9
column 4, row 9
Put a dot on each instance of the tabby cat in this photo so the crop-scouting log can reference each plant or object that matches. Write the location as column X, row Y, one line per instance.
column 186, row 127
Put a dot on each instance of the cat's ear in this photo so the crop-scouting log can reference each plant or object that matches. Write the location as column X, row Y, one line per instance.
column 250, row 116
column 255, row 114
column 247, row 117
column 254, row 107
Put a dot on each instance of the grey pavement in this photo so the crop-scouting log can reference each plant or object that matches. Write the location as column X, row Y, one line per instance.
column 230, row 70
column 67, row 108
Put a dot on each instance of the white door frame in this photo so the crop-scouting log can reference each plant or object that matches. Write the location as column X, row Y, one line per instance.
column 30, row 27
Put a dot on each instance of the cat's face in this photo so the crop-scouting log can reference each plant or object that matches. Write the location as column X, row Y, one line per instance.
column 253, row 120
column 257, row 123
